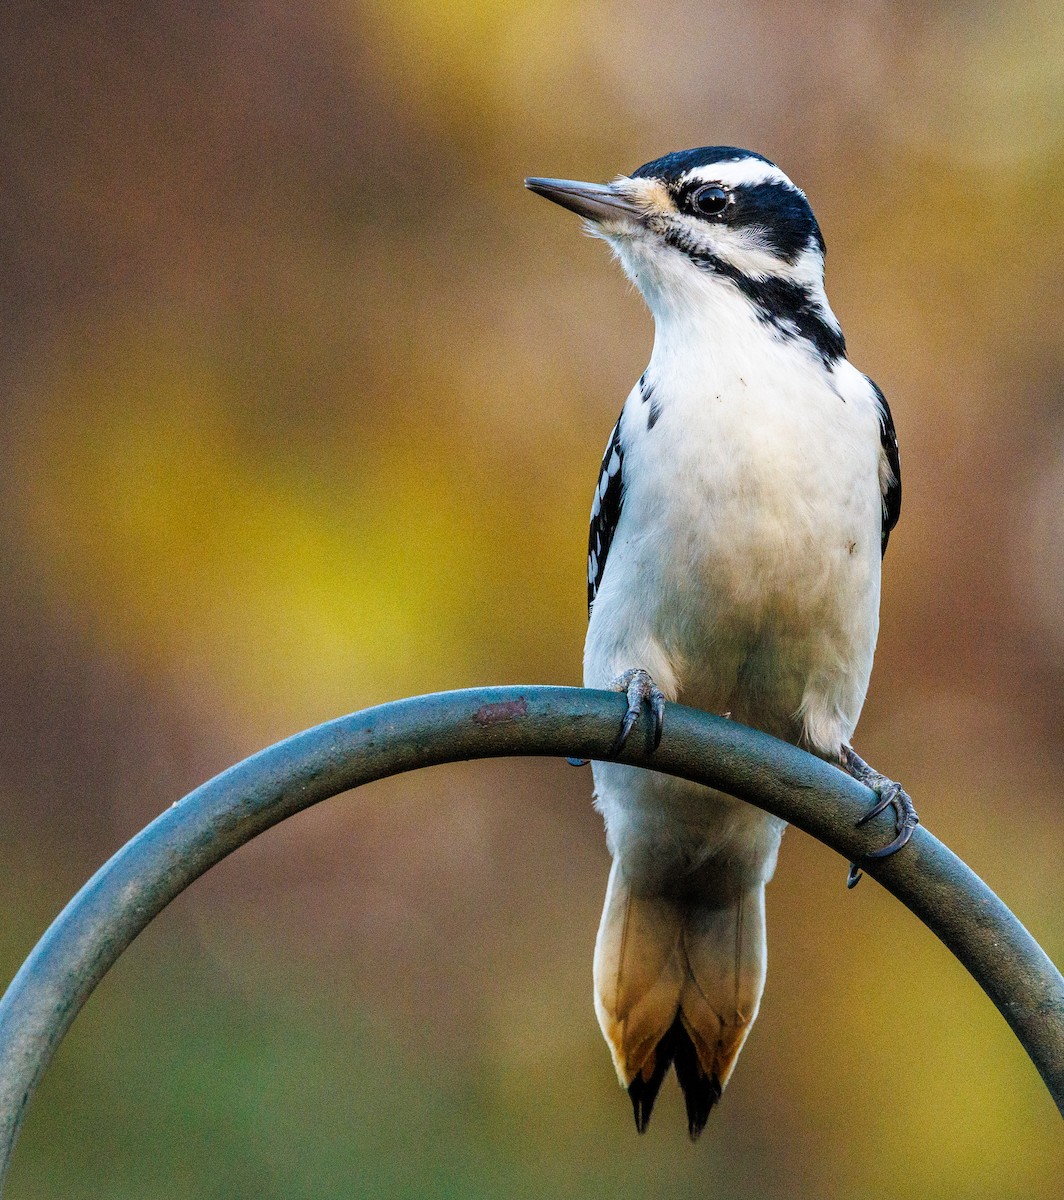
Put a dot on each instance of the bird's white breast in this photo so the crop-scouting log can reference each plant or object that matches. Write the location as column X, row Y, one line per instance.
column 744, row 573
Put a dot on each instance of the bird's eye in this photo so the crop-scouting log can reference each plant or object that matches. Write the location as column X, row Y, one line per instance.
column 709, row 201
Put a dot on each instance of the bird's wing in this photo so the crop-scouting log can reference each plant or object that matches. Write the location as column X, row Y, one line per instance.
column 605, row 513
column 890, row 468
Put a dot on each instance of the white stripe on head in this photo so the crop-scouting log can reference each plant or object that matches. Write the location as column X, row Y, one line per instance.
column 733, row 173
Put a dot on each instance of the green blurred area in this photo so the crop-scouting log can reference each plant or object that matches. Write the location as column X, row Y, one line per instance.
column 303, row 400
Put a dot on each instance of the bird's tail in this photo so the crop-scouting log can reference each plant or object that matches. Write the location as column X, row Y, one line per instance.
column 678, row 982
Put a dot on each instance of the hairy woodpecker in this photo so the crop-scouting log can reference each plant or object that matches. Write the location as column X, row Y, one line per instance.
column 744, row 503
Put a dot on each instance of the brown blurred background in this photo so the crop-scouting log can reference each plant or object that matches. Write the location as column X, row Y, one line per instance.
column 303, row 399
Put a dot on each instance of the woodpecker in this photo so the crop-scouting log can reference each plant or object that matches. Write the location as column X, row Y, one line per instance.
column 742, row 510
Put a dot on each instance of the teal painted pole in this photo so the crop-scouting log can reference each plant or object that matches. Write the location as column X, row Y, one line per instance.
column 87, row 937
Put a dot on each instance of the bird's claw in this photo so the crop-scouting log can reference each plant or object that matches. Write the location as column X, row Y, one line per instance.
column 640, row 689
column 893, row 795
column 890, row 795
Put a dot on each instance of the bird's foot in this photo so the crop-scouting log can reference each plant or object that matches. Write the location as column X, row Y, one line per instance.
column 890, row 795
column 640, row 689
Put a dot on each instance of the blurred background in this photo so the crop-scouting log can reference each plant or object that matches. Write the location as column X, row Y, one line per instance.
column 303, row 400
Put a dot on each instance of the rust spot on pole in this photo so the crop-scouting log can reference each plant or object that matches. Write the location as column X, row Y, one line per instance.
column 495, row 714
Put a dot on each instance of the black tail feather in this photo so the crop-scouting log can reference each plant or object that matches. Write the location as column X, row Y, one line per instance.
column 700, row 1091
column 643, row 1092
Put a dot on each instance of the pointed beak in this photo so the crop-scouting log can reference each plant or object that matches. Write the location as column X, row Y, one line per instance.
column 595, row 201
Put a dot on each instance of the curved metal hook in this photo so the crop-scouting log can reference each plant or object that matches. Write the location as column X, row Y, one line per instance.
column 177, row 847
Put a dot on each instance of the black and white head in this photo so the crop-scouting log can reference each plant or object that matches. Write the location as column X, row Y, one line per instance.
column 715, row 224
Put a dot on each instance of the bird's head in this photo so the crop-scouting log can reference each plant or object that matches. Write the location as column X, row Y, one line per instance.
column 713, row 222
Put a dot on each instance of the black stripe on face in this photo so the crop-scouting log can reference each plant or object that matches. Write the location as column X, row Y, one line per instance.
column 785, row 220
column 786, row 306
column 777, row 210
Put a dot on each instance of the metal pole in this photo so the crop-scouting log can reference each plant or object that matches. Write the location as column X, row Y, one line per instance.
column 148, row 872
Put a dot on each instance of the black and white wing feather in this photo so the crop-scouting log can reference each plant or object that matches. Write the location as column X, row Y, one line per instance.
column 890, row 479
column 605, row 512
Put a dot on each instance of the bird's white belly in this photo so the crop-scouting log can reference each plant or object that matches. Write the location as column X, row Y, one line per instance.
column 744, row 576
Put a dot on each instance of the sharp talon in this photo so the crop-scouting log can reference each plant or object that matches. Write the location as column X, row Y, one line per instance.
column 657, row 699
column 886, row 802
column 630, row 718
column 640, row 689
column 578, row 762
column 903, row 837
column 890, row 795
